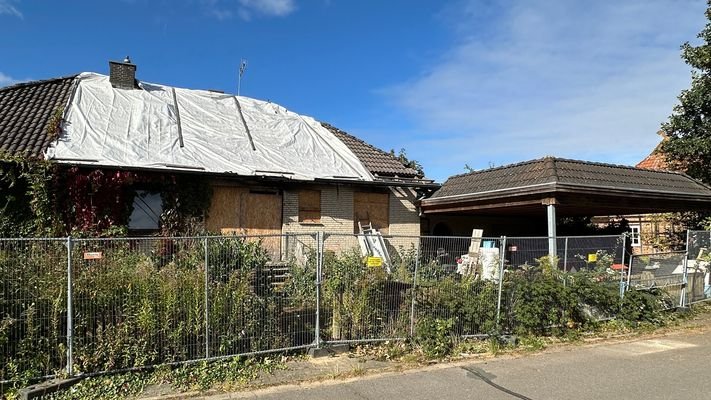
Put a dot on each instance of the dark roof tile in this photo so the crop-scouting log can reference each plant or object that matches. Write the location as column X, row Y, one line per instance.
column 378, row 162
column 26, row 110
column 559, row 171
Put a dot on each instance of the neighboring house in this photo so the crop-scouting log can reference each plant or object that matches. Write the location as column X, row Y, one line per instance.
column 650, row 233
column 270, row 171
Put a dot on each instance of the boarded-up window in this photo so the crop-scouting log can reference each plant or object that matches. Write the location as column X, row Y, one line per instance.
column 225, row 210
column 371, row 208
column 310, row 206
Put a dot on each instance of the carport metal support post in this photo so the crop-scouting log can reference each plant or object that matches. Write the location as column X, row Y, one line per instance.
column 70, row 313
column 552, row 251
column 502, row 260
column 414, row 290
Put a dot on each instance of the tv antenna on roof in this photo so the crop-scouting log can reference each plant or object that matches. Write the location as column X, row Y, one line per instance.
column 242, row 68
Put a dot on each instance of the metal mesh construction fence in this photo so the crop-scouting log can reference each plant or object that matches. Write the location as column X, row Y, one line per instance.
column 117, row 304
column 33, row 307
column 698, row 267
column 659, row 271
column 123, row 303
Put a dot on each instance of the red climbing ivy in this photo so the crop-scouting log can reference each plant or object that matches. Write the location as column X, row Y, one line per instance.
column 45, row 198
column 97, row 200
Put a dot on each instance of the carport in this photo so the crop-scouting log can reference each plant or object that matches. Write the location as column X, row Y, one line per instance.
column 550, row 188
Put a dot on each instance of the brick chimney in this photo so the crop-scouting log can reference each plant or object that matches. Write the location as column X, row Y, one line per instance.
column 122, row 75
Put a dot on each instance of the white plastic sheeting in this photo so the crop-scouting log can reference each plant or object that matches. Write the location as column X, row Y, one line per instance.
column 219, row 133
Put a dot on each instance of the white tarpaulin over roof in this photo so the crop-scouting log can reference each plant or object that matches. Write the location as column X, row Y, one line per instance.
column 219, row 133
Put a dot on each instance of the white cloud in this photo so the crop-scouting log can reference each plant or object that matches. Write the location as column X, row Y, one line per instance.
column 247, row 9
column 6, row 80
column 271, row 8
column 577, row 79
column 7, row 7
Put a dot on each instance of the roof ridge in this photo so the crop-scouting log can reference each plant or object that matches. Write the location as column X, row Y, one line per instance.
column 553, row 165
column 517, row 164
column 620, row 166
column 36, row 82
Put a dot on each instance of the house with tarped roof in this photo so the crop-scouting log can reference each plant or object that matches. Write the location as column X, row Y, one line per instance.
column 269, row 170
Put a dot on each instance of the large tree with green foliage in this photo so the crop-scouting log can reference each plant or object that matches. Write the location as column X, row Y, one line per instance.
column 689, row 127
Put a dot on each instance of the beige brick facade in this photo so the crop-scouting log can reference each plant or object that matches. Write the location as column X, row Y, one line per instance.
column 337, row 216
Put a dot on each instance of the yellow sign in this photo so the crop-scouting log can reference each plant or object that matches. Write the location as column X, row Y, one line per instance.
column 375, row 262
column 592, row 257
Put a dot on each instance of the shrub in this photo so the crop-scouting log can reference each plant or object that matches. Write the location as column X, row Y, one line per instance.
column 540, row 304
column 641, row 306
column 434, row 335
column 469, row 303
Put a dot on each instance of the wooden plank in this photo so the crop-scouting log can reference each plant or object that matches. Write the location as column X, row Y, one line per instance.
column 261, row 214
column 373, row 208
column 224, row 211
column 310, row 206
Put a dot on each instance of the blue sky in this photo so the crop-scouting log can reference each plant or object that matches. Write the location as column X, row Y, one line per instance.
column 472, row 82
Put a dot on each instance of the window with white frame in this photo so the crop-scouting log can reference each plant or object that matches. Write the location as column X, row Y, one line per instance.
column 635, row 235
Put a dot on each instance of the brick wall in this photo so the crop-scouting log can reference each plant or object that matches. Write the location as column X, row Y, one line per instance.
column 337, row 216
column 404, row 217
column 122, row 75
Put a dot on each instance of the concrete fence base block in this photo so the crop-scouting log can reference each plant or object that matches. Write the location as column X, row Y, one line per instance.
column 44, row 388
column 329, row 350
column 683, row 310
column 511, row 340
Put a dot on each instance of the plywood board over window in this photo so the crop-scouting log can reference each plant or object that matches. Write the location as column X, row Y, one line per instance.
column 240, row 211
column 224, row 214
column 310, row 206
column 260, row 214
column 372, row 208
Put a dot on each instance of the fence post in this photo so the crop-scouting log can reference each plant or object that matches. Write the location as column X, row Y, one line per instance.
column 622, row 269
column 207, row 303
column 414, row 290
column 319, row 264
column 70, row 313
column 629, row 271
column 565, row 256
column 502, row 256
column 685, row 276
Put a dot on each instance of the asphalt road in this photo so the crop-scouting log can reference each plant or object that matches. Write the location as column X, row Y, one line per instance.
column 672, row 367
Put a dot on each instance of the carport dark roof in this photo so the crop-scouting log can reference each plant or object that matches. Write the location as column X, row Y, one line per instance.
column 26, row 110
column 578, row 187
column 559, row 171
